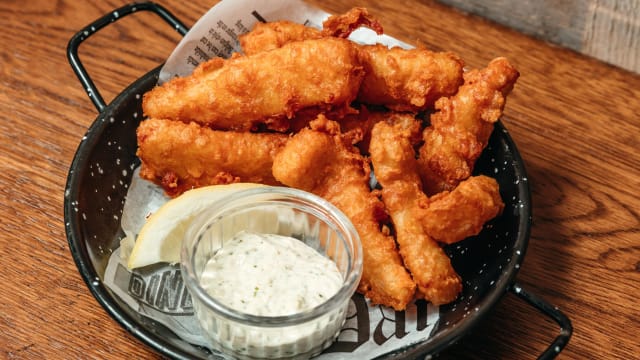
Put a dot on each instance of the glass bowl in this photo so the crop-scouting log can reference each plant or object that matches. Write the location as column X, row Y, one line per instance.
column 280, row 211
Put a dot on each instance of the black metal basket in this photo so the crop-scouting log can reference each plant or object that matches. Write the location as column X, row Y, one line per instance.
column 94, row 199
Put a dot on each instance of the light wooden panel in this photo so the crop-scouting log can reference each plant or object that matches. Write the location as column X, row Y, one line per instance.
column 608, row 30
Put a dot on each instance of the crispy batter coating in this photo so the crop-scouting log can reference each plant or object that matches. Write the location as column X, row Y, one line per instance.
column 455, row 215
column 265, row 88
column 394, row 162
column 358, row 126
column 318, row 160
column 181, row 156
column 461, row 127
column 273, row 35
column 408, row 80
column 222, row 124
column 403, row 80
column 343, row 25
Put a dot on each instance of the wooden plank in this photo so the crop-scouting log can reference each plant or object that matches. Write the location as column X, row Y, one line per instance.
column 612, row 32
column 608, row 30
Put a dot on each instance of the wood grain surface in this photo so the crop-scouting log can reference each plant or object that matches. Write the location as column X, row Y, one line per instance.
column 575, row 120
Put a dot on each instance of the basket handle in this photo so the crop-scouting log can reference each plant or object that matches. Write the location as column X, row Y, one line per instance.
column 551, row 311
column 113, row 16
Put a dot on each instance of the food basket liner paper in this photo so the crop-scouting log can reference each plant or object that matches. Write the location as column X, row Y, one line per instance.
column 216, row 33
column 158, row 292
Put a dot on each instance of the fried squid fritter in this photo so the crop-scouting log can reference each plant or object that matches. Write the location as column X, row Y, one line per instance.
column 408, row 80
column 266, row 88
column 461, row 127
column 454, row 215
column 344, row 24
column 180, row 156
column 318, row 160
column 395, row 166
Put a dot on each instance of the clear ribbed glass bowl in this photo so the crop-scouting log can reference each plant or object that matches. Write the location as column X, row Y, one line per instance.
column 280, row 211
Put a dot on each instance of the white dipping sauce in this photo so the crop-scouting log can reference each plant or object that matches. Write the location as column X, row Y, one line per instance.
column 270, row 275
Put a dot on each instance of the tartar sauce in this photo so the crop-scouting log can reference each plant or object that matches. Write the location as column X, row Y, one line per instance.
column 270, row 275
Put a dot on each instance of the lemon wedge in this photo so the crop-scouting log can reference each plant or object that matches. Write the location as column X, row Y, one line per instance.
column 160, row 238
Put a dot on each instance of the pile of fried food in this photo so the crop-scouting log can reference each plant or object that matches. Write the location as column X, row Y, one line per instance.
column 309, row 109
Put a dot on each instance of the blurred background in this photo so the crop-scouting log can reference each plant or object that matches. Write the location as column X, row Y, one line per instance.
column 608, row 30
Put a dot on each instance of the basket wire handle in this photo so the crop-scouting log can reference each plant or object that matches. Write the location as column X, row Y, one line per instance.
column 82, row 35
column 554, row 313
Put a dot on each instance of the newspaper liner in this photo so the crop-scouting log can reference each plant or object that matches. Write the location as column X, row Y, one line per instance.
column 158, row 292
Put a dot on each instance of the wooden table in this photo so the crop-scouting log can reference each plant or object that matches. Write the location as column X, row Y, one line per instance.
column 575, row 120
